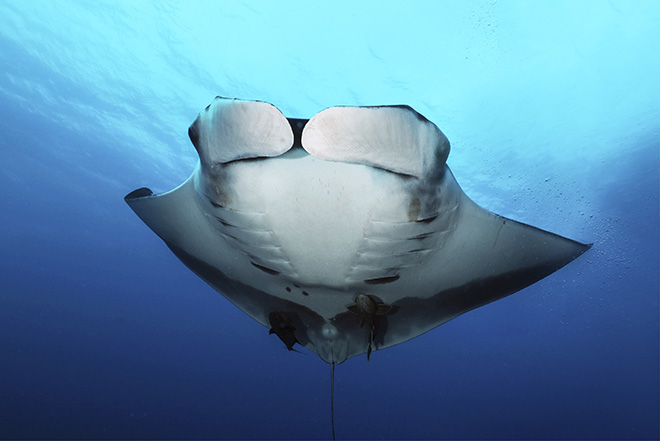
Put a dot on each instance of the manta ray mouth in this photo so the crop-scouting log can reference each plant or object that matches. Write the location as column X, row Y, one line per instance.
column 297, row 126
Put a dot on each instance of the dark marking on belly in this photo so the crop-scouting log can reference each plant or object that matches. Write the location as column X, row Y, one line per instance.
column 414, row 208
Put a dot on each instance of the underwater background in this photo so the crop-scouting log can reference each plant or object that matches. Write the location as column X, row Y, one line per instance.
column 553, row 112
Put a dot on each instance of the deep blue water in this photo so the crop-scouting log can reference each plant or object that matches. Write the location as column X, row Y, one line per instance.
column 552, row 108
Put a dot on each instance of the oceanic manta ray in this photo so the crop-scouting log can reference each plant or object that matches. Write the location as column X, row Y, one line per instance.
column 344, row 233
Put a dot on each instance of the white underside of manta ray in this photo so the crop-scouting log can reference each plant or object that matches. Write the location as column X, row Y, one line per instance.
column 345, row 233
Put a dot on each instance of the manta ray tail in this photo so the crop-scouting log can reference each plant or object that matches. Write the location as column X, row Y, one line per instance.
column 332, row 398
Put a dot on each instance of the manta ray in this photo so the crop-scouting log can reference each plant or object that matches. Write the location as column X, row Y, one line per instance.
column 344, row 233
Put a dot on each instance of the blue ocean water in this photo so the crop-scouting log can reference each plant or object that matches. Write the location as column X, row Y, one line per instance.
column 553, row 111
